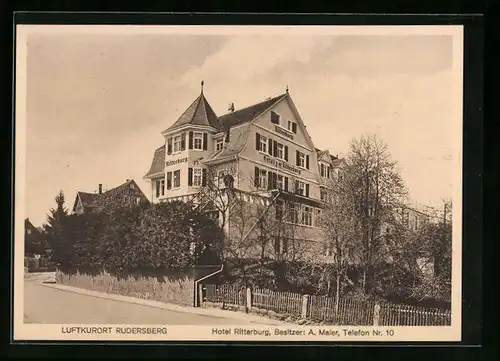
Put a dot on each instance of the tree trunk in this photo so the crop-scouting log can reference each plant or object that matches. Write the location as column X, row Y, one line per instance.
column 337, row 296
column 364, row 280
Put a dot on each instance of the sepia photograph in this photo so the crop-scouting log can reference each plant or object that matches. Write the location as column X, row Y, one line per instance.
column 238, row 183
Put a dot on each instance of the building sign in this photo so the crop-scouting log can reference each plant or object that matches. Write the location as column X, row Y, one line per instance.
column 282, row 131
column 174, row 162
column 280, row 164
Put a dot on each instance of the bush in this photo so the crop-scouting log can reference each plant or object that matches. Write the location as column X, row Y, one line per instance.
column 160, row 236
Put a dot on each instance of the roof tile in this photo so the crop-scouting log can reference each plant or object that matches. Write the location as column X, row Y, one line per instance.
column 158, row 163
column 247, row 114
column 199, row 113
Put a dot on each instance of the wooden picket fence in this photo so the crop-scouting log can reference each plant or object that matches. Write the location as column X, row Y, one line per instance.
column 226, row 294
column 323, row 308
column 404, row 315
column 350, row 312
column 281, row 302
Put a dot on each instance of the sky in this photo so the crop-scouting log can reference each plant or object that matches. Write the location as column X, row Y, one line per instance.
column 96, row 102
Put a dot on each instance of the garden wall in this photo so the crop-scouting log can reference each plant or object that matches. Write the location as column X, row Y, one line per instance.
column 164, row 285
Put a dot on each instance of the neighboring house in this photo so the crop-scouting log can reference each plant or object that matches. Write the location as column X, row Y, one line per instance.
column 33, row 240
column 265, row 148
column 125, row 195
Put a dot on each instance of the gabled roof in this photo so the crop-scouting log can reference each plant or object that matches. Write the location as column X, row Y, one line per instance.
column 158, row 163
column 30, row 226
column 198, row 113
column 249, row 113
column 122, row 196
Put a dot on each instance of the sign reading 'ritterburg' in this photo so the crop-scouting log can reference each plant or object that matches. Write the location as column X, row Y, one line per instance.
column 176, row 161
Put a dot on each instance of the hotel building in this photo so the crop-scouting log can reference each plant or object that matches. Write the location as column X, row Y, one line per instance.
column 271, row 159
column 265, row 148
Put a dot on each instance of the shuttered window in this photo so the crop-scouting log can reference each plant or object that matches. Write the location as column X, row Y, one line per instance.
column 275, row 118
column 177, row 179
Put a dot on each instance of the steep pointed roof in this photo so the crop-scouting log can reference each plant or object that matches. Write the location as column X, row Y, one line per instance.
column 198, row 113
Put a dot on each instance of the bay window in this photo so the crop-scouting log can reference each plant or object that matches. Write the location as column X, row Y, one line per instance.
column 198, row 140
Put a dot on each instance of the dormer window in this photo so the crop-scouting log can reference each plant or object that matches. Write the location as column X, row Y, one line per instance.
column 219, row 144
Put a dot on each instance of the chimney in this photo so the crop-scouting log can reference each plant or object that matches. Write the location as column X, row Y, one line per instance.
column 100, row 188
column 231, row 108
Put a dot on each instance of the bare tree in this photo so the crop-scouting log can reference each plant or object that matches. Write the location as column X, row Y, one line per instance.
column 338, row 224
column 371, row 190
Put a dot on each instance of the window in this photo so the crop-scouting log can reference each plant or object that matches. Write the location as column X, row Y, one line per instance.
column 177, row 143
column 137, row 200
column 301, row 188
column 324, row 195
column 279, row 209
column 325, row 171
column 162, row 187
column 317, row 218
column 277, row 245
column 292, row 126
column 302, row 160
column 280, row 151
column 157, row 187
column 275, row 118
column 416, row 223
column 280, row 182
column 293, row 214
column 263, row 144
column 28, row 231
column 307, row 216
column 213, row 215
column 177, row 179
column 219, row 178
column 219, row 144
column 198, row 140
column 262, row 179
column 197, row 177
column 169, row 180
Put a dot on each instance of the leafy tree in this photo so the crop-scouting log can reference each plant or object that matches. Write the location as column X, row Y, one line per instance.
column 84, row 233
